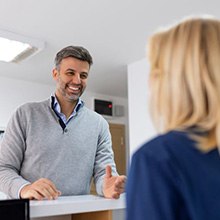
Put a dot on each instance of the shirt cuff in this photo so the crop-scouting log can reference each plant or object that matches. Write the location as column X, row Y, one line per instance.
column 21, row 189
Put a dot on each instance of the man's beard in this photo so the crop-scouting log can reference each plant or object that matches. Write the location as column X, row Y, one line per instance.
column 63, row 88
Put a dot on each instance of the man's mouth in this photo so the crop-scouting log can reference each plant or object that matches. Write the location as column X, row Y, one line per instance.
column 74, row 88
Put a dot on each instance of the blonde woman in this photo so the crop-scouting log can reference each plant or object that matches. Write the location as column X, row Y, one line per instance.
column 176, row 176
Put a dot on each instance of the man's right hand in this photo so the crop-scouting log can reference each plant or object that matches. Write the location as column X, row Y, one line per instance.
column 40, row 189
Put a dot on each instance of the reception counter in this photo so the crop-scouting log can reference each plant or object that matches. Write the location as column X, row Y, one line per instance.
column 87, row 207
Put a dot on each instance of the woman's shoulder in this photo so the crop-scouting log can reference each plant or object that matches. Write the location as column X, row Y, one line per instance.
column 165, row 145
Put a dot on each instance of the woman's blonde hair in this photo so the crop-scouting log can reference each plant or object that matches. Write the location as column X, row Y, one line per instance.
column 185, row 79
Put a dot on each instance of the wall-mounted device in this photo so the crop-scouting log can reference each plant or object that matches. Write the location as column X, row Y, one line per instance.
column 118, row 110
column 103, row 107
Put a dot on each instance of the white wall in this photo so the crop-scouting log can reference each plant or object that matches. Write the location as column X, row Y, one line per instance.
column 140, row 125
column 13, row 93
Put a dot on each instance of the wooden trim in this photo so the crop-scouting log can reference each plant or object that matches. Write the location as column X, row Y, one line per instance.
column 101, row 215
column 116, row 125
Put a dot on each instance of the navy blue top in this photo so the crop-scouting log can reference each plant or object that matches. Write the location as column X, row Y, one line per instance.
column 170, row 178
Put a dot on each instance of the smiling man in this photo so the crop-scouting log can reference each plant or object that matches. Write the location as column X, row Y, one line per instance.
column 56, row 146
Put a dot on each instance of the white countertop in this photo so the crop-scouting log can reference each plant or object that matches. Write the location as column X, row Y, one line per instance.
column 74, row 204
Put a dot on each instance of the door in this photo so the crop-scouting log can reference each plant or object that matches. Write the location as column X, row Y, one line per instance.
column 118, row 145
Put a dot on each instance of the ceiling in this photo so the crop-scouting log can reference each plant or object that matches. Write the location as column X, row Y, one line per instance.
column 114, row 31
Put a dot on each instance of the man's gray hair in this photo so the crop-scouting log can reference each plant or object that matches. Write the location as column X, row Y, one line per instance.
column 77, row 52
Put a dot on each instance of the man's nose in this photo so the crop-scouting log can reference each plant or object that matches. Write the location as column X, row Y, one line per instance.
column 76, row 78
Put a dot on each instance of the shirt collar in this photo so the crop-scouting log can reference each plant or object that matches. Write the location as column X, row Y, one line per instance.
column 55, row 104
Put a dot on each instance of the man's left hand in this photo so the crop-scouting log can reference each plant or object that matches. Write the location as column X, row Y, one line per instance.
column 113, row 185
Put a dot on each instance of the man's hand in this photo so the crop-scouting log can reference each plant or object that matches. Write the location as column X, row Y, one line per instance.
column 40, row 189
column 113, row 185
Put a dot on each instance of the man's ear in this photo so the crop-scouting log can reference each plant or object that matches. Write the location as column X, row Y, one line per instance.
column 55, row 73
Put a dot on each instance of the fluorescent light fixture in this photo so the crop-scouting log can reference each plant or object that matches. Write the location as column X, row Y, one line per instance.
column 15, row 48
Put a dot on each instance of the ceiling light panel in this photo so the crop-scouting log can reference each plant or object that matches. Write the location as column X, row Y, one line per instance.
column 15, row 47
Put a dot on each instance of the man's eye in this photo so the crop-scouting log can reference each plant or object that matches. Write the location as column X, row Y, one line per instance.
column 70, row 73
column 83, row 76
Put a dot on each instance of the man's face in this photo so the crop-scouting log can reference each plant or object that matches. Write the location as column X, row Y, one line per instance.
column 71, row 78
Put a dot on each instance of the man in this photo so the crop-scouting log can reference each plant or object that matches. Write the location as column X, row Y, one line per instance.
column 56, row 146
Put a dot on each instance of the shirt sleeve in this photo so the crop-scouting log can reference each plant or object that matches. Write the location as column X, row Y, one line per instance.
column 104, row 156
column 151, row 190
column 11, row 157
